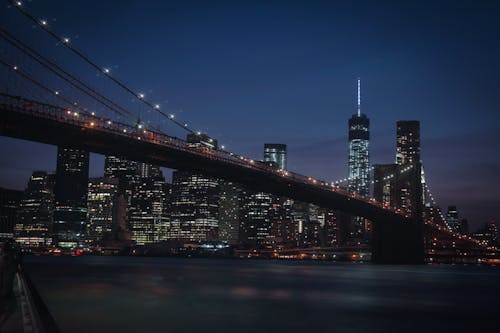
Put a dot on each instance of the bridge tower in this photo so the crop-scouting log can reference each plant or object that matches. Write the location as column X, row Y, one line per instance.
column 400, row 185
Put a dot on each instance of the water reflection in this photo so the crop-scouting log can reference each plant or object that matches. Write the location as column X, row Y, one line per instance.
column 106, row 294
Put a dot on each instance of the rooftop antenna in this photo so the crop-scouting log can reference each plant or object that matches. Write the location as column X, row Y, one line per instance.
column 359, row 97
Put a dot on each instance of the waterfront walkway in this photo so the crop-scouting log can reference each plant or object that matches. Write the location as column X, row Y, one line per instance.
column 24, row 311
column 11, row 318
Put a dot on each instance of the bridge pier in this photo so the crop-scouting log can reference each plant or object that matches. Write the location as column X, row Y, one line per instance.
column 397, row 243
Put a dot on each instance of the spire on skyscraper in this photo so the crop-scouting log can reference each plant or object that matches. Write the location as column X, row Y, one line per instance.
column 359, row 97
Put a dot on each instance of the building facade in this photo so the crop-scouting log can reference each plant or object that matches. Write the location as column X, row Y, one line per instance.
column 276, row 154
column 194, row 207
column 267, row 218
column 407, row 142
column 147, row 212
column 10, row 201
column 35, row 216
column 101, row 197
column 359, row 151
column 194, row 204
column 70, row 213
column 231, row 197
column 452, row 219
column 359, row 163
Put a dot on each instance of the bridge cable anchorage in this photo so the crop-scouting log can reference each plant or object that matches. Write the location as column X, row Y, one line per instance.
column 66, row 76
column 53, row 92
column 66, row 42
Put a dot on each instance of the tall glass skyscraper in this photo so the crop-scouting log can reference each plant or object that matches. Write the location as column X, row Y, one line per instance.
column 400, row 184
column 10, row 201
column 70, row 214
column 36, row 209
column 408, row 153
column 452, row 218
column 100, row 202
column 407, row 142
column 267, row 218
column 147, row 211
column 194, row 206
column 359, row 151
column 275, row 153
column 126, row 171
column 230, row 211
column 359, row 162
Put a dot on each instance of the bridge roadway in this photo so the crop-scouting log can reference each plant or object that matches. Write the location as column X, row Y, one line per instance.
column 397, row 237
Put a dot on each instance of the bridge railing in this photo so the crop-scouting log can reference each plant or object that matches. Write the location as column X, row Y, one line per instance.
column 89, row 120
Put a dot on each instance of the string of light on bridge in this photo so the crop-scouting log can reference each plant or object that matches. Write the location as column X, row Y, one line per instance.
column 388, row 177
column 51, row 91
column 140, row 96
column 434, row 204
column 339, row 181
column 64, row 75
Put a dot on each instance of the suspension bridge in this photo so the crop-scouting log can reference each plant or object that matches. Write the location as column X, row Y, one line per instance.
column 57, row 118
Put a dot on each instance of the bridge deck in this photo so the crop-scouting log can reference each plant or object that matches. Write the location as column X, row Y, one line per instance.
column 32, row 120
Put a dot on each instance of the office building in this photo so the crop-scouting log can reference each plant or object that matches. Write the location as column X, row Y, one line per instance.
column 359, row 162
column 148, row 208
column 10, row 201
column 359, row 151
column 230, row 211
column 407, row 142
column 256, row 223
column 452, row 219
column 102, row 193
column 488, row 234
column 70, row 214
column 266, row 216
column 125, row 171
column 275, row 153
column 194, row 206
column 35, row 216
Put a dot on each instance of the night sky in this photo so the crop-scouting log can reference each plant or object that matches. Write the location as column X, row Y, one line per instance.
column 250, row 72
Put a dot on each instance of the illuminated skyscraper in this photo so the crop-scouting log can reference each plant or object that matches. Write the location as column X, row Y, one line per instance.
column 359, row 151
column 276, row 154
column 147, row 210
column 70, row 214
column 125, row 171
column 452, row 218
column 359, row 162
column 230, row 211
column 194, row 206
column 407, row 142
column 256, row 224
column 267, row 217
column 36, row 211
column 400, row 184
column 10, row 201
column 144, row 189
column 408, row 154
column 100, row 204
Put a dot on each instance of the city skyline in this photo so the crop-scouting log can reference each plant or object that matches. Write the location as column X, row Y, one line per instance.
column 320, row 152
column 264, row 165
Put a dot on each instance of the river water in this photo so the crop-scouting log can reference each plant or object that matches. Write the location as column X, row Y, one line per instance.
column 134, row 294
